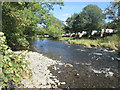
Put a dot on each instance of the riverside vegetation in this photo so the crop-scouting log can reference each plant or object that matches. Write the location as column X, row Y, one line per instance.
column 20, row 19
column 23, row 69
column 13, row 67
column 93, row 18
column 111, row 42
column 19, row 26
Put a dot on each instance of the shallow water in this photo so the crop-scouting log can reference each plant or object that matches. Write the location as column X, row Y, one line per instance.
column 92, row 67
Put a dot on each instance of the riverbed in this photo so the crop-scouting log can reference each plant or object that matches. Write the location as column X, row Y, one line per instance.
column 92, row 67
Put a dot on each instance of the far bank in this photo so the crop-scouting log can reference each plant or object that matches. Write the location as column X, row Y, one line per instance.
column 111, row 42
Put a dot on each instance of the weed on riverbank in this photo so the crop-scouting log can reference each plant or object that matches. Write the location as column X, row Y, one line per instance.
column 66, row 38
column 111, row 42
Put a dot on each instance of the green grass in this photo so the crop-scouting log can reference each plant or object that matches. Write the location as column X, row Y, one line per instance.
column 112, row 42
column 66, row 38
column 86, row 42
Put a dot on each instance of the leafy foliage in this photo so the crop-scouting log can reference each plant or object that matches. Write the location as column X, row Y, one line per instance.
column 14, row 66
column 113, row 13
column 89, row 19
column 112, row 42
column 93, row 16
column 54, row 28
column 20, row 21
column 19, row 24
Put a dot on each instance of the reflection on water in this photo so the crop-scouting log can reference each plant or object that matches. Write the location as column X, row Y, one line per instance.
column 92, row 64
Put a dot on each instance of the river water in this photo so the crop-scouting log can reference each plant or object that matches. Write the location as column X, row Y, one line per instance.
column 93, row 67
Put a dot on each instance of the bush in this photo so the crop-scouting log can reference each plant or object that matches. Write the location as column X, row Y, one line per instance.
column 14, row 66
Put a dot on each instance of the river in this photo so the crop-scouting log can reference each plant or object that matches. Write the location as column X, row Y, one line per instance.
column 93, row 67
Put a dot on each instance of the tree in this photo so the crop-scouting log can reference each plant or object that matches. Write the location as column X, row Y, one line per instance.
column 113, row 13
column 54, row 28
column 93, row 17
column 20, row 20
column 72, row 23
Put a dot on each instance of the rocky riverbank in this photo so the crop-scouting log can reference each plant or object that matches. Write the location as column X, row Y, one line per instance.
column 48, row 73
column 41, row 75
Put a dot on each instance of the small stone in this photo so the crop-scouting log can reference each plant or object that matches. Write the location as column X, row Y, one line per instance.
column 118, row 58
column 55, row 68
column 77, row 63
column 59, row 71
column 62, row 83
column 69, row 65
column 48, row 65
column 56, row 81
column 31, row 86
column 58, row 84
column 60, row 64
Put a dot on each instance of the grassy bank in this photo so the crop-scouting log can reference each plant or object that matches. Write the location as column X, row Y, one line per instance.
column 66, row 38
column 111, row 42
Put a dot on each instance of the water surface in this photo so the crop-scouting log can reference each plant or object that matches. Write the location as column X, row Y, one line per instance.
column 93, row 66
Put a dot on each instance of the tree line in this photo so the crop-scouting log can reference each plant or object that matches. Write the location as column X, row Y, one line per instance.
column 20, row 19
column 93, row 18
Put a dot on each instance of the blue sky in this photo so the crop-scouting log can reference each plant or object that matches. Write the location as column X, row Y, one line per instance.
column 71, row 7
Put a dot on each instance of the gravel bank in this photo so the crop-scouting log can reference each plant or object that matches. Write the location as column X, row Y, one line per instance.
column 41, row 75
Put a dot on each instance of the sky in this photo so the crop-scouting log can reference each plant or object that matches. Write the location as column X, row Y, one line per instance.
column 71, row 7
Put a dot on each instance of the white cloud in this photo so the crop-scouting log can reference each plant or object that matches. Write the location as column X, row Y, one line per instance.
column 66, row 15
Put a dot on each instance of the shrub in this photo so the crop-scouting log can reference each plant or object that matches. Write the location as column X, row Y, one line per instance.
column 14, row 66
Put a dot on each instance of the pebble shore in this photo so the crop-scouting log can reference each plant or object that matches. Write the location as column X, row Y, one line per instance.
column 41, row 75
